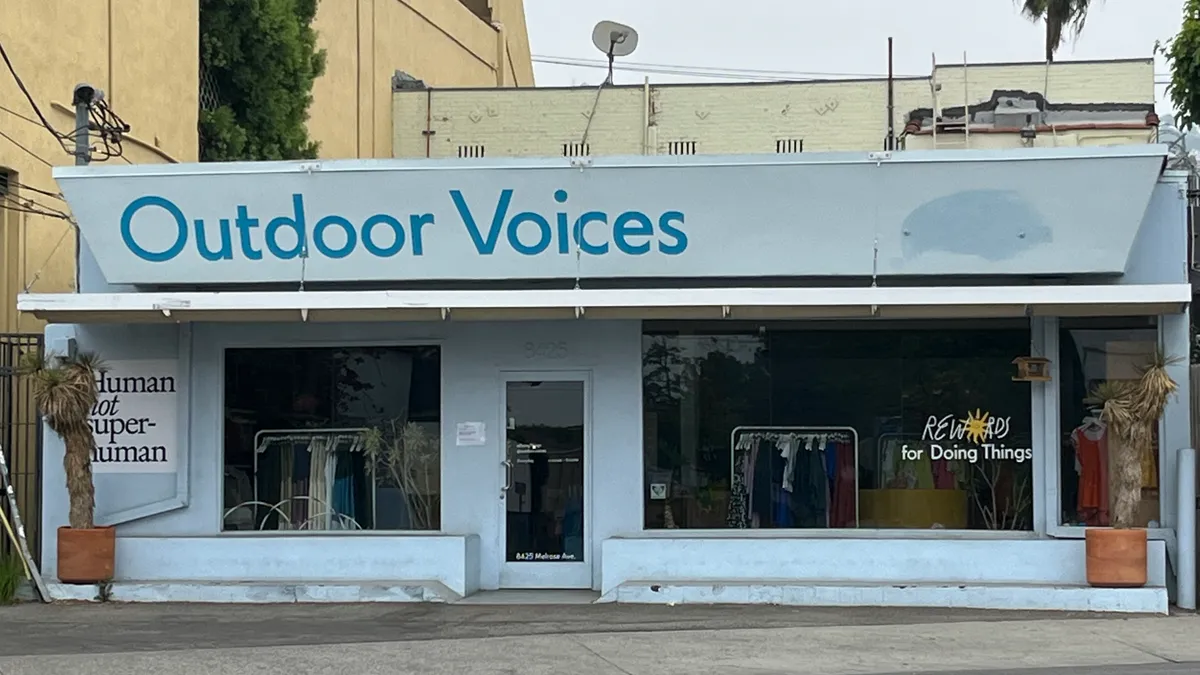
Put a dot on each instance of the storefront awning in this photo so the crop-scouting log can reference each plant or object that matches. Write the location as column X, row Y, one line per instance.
column 642, row 303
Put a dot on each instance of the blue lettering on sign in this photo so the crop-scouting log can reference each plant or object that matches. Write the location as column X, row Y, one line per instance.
column 528, row 233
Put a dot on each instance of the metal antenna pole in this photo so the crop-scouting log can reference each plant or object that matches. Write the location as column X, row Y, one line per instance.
column 83, row 101
column 82, row 98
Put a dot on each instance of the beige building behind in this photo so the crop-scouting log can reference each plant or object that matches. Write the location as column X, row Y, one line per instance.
column 469, row 43
column 144, row 55
column 769, row 117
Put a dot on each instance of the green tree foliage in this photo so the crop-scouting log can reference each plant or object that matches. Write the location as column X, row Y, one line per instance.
column 262, row 58
column 1059, row 17
column 1183, row 53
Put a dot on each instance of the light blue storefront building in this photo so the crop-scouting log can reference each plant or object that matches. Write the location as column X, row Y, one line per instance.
column 747, row 379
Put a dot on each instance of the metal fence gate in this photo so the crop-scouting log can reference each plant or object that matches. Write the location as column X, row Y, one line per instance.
column 21, row 435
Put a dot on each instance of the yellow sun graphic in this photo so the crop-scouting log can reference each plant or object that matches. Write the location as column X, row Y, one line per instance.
column 975, row 427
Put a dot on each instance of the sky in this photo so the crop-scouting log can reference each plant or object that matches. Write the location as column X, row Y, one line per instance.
column 830, row 38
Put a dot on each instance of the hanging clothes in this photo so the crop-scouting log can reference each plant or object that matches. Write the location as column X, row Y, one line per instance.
column 790, row 479
column 811, row 501
column 1091, row 451
column 844, row 510
column 943, row 475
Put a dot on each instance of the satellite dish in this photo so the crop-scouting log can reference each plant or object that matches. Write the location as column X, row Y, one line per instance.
column 614, row 39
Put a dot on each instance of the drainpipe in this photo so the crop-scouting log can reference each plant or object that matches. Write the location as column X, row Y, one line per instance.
column 501, row 55
column 428, row 121
column 646, row 116
column 889, row 143
column 1185, row 529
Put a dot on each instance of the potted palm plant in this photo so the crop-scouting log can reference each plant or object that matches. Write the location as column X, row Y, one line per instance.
column 65, row 391
column 1116, row 557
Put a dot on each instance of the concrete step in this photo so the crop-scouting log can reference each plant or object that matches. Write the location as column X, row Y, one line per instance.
column 1147, row 600
column 252, row 592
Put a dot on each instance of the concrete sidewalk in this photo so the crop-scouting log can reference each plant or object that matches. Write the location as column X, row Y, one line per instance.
column 580, row 640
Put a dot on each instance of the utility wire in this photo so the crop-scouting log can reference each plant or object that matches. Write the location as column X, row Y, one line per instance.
column 59, row 136
column 27, row 150
column 32, row 206
column 710, row 74
column 38, row 273
column 40, row 191
column 722, row 72
column 702, row 70
column 21, row 116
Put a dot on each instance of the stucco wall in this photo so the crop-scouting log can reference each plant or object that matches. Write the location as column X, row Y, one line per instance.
column 731, row 118
column 438, row 41
column 144, row 55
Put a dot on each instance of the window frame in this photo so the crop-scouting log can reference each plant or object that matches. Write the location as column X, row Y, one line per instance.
column 219, row 488
column 1052, row 421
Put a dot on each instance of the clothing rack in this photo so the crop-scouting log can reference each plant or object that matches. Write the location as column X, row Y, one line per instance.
column 337, row 440
column 800, row 434
column 881, row 445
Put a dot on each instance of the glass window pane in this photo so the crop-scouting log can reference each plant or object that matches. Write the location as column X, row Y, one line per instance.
column 545, row 452
column 332, row 439
column 880, row 425
column 1094, row 355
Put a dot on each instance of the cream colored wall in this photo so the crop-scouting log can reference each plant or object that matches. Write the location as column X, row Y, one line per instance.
column 730, row 118
column 1062, row 139
column 144, row 55
column 438, row 41
column 1129, row 81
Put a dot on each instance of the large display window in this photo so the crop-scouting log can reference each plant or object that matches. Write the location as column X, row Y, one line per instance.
column 826, row 425
column 320, row 439
column 1093, row 352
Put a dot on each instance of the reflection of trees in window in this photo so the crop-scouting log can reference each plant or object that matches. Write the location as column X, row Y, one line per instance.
column 391, row 391
column 716, row 382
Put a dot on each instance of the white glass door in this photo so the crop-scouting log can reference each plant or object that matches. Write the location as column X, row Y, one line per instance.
column 545, row 464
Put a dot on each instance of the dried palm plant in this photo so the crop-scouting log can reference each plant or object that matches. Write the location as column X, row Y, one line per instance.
column 1001, row 511
column 410, row 459
column 65, row 391
column 1132, row 409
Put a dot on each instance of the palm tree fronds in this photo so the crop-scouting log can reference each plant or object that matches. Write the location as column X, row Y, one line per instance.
column 1060, row 16
column 1132, row 409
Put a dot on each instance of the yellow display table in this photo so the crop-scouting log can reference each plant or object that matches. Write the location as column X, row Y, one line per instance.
column 916, row 509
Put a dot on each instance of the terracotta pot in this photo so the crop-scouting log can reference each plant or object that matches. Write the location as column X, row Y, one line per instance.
column 86, row 556
column 1116, row 558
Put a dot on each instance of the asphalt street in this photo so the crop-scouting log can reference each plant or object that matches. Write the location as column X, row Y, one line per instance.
column 583, row 640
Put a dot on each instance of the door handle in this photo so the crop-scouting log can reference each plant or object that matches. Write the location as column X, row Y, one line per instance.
column 507, row 474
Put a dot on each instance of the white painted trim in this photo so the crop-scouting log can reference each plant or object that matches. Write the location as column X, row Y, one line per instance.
column 1044, row 442
column 744, row 303
column 1052, row 409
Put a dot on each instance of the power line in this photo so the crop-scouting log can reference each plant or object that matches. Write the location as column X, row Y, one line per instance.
column 31, row 206
column 692, row 71
column 59, row 136
column 27, row 150
column 721, row 72
column 38, row 273
column 20, row 116
column 48, row 193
